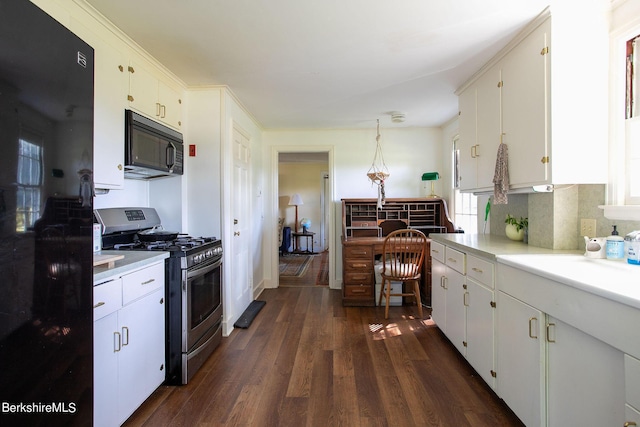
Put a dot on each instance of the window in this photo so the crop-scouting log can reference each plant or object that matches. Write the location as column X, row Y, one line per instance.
column 29, row 180
column 632, row 123
column 465, row 205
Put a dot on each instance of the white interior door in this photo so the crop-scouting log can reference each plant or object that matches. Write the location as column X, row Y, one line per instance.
column 239, row 282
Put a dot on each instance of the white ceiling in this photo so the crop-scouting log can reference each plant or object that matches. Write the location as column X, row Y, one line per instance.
column 329, row 63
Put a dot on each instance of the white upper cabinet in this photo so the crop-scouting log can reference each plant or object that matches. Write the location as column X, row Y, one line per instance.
column 154, row 97
column 550, row 107
column 111, row 84
column 479, row 130
column 525, row 88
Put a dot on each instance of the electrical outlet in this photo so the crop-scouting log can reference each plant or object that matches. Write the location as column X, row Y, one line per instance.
column 588, row 227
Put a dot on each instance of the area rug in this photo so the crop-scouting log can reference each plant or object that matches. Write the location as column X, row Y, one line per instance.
column 294, row 265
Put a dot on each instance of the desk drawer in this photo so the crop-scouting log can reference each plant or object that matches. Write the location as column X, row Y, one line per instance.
column 361, row 252
column 358, row 291
column 358, row 278
column 358, row 264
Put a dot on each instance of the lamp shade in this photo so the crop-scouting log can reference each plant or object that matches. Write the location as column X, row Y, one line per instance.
column 430, row 176
column 295, row 200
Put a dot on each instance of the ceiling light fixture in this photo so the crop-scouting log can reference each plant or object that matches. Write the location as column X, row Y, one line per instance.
column 397, row 117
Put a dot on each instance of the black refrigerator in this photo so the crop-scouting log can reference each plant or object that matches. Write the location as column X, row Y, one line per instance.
column 46, row 220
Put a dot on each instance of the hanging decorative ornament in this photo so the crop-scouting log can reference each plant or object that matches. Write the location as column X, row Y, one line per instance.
column 378, row 171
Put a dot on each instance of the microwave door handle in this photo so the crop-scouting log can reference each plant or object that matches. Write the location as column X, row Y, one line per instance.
column 171, row 155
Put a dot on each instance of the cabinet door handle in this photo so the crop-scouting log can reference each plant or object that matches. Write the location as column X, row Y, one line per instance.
column 125, row 333
column 117, row 342
column 101, row 303
column 146, row 282
column 630, row 423
column 465, row 299
column 158, row 109
column 531, row 321
column 549, row 326
column 445, row 282
column 163, row 111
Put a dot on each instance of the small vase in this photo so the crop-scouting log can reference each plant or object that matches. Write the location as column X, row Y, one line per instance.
column 514, row 234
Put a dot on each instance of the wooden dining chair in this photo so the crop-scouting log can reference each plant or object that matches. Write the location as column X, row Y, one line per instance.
column 403, row 253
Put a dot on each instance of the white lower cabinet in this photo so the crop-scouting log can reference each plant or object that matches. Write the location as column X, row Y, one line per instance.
column 549, row 372
column 129, row 343
column 463, row 306
column 520, row 359
column 632, row 390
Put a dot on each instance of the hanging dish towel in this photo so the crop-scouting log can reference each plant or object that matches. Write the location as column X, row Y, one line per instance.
column 501, row 176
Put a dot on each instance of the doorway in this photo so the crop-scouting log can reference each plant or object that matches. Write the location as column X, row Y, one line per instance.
column 306, row 259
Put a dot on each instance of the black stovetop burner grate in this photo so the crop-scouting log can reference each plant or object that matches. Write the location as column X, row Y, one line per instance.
column 131, row 241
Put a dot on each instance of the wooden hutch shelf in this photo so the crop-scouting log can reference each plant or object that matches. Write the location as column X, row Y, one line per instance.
column 364, row 228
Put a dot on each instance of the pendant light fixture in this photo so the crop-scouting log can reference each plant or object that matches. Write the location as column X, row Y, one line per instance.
column 378, row 171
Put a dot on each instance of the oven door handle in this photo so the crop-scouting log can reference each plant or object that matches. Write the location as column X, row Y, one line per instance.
column 203, row 270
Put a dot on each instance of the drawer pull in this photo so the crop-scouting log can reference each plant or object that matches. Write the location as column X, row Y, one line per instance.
column 148, row 281
column 101, row 303
column 531, row 320
column 630, row 423
column 360, row 252
column 358, row 291
column 435, row 251
column 477, row 270
column 452, row 259
column 359, row 265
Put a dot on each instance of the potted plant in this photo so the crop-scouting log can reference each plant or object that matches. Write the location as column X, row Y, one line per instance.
column 515, row 228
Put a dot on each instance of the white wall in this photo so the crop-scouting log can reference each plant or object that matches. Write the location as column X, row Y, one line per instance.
column 408, row 153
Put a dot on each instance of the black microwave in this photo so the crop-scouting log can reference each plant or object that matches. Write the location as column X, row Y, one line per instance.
column 152, row 150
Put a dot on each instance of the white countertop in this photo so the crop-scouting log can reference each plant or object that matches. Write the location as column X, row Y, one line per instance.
column 615, row 280
column 131, row 261
column 489, row 246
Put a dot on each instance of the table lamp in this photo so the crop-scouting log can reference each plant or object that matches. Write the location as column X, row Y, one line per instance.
column 296, row 201
column 431, row 176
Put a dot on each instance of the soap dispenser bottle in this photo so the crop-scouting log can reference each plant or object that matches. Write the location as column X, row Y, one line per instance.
column 615, row 245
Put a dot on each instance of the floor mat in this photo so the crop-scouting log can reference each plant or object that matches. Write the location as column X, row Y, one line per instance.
column 244, row 321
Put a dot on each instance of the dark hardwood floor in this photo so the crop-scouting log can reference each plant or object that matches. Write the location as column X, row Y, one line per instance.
column 308, row 361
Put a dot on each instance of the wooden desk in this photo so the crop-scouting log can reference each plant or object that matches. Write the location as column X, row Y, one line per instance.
column 358, row 276
column 296, row 242
column 364, row 227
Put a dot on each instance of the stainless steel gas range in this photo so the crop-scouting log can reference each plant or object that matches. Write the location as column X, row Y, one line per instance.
column 193, row 284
